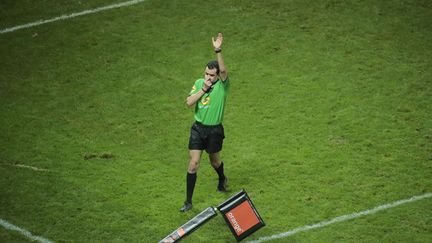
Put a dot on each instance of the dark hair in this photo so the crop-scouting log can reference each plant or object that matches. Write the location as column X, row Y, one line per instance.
column 212, row 65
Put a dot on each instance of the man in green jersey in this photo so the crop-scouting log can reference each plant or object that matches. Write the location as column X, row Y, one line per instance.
column 208, row 96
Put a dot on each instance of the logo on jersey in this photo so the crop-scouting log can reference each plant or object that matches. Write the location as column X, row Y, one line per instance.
column 193, row 89
column 205, row 101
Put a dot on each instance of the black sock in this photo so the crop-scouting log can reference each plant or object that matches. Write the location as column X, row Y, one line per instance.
column 220, row 172
column 190, row 185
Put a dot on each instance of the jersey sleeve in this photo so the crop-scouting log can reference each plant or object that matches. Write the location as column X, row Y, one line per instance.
column 226, row 83
column 196, row 87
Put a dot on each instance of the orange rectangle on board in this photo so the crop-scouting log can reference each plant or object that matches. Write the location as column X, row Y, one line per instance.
column 242, row 217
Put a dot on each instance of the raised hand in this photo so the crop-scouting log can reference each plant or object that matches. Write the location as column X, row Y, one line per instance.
column 218, row 42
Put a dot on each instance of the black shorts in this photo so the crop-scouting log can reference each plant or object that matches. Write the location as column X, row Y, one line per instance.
column 208, row 138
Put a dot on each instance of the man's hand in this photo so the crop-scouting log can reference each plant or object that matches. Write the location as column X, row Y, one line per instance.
column 218, row 42
column 207, row 85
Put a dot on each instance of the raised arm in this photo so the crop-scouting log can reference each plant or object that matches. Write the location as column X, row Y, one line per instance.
column 217, row 44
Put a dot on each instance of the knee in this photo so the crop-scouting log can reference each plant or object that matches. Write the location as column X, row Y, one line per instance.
column 193, row 166
column 215, row 163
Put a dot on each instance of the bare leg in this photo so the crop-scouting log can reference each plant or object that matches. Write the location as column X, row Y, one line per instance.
column 194, row 160
column 191, row 176
column 218, row 165
column 215, row 160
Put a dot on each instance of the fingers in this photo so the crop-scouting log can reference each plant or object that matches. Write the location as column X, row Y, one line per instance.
column 219, row 37
column 218, row 41
column 207, row 83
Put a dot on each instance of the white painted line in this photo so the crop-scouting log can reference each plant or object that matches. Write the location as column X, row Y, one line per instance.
column 69, row 16
column 24, row 232
column 25, row 166
column 343, row 218
column 29, row 167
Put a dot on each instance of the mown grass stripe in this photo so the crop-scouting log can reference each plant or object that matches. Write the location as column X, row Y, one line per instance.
column 69, row 16
column 343, row 218
column 24, row 232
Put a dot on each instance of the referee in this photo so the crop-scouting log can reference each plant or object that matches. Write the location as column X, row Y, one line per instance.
column 208, row 96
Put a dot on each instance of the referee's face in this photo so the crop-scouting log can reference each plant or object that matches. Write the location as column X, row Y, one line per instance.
column 210, row 75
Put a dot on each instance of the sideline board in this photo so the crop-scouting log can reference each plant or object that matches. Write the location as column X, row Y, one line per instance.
column 239, row 213
column 190, row 226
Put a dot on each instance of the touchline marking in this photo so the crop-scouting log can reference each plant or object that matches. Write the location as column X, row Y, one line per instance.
column 24, row 232
column 343, row 218
column 25, row 166
column 29, row 167
column 69, row 16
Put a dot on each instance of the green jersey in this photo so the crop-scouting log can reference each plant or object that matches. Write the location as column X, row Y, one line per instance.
column 209, row 109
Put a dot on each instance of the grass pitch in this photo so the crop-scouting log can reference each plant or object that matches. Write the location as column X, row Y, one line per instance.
column 329, row 113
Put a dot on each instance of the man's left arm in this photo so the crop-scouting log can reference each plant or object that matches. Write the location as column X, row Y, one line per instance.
column 217, row 44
